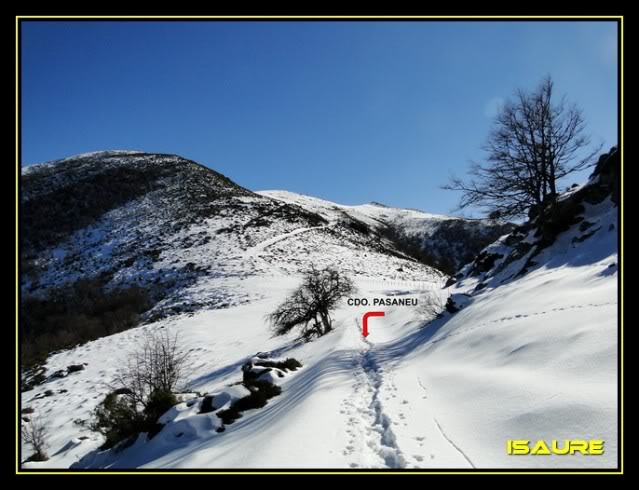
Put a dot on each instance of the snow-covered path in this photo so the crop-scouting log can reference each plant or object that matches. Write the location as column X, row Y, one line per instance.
column 372, row 442
column 255, row 253
column 377, row 408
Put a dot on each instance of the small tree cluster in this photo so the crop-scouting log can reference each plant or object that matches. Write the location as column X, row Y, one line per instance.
column 308, row 307
column 143, row 389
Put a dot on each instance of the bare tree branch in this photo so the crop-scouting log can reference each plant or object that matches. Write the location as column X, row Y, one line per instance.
column 308, row 307
column 35, row 433
column 534, row 143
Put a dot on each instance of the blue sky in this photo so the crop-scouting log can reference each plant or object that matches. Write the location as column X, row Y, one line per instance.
column 348, row 111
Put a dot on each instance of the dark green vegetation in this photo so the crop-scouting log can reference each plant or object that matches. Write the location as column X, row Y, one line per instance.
column 77, row 313
column 261, row 390
column 454, row 243
column 119, row 419
column 289, row 364
column 143, row 390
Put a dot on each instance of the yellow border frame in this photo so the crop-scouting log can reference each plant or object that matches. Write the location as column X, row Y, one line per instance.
column 311, row 17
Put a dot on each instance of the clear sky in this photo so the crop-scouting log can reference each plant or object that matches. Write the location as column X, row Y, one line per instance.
column 348, row 111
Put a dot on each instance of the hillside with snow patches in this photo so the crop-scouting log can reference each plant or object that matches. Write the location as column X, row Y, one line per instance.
column 531, row 354
column 447, row 240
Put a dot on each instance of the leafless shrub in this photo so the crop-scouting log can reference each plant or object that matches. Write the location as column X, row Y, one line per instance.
column 35, row 434
column 143, row 389
column 156, row 364
column 430, row 304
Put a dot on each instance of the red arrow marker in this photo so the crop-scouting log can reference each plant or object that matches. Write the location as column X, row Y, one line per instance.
column 365, row 320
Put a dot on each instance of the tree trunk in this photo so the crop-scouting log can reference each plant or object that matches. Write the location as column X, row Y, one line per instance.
column 316, row 326
column 326, row 321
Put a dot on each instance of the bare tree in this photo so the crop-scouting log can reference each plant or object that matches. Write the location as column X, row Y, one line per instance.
column 308, row 307
column 534, row 143
column 35, row 434
column 143, row 389
column 156, row 365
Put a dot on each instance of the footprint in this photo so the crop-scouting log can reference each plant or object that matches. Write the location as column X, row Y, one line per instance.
column 418, row 457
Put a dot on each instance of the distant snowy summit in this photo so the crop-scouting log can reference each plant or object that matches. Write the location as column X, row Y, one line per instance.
column 446, row 242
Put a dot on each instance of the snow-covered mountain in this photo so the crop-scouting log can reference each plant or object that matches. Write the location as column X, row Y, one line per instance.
column 445, row 242
column 165, row 222
column 531, row 354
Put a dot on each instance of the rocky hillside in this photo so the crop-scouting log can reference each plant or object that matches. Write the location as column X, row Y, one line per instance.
column 444, row 242
column 110, row 238
column 584, row 213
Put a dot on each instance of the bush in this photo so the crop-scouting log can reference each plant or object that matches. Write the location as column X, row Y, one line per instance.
column 118, row 420
column 430, row 305
column 261, row 392
column 35, row 433
column 158, row 403
column 207, row 405
column 143, row 390
column 290, row 364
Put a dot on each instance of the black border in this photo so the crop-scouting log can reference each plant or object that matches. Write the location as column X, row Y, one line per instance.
column 335, row 471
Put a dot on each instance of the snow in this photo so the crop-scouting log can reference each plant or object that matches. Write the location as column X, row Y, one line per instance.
column 372, row 214
column 520, row 363
column 532, row 357
column 35, row 167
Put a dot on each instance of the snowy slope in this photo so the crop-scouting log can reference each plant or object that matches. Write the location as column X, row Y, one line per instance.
column 374, row 214
column 179, row 228
column 520, row 362
column 448, row 242
column 529, row 356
